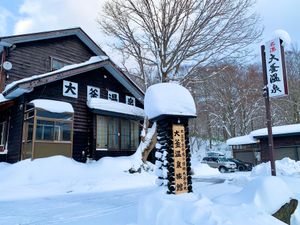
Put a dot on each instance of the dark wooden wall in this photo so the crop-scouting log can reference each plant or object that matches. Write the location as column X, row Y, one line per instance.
column 279, row 142
column 83, row 118
column 33, row 58
column 15, row 131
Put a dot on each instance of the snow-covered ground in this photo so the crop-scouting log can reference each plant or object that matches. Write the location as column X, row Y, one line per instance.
column 58, row 190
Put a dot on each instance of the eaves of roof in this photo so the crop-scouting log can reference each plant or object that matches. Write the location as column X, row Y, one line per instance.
column 26, row 85
column 15, row 39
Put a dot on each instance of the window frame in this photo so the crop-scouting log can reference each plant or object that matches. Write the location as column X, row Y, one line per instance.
column 3, row 136
column 62, row 61
column 55, row 121
column 119, row 134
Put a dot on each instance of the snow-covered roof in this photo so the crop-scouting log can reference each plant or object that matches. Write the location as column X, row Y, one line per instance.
column 169, row 99
column 17, row 88
column 253, row 137
column 242, row 140
column 2, row 98
column 92, row 60
column 277, row 130
column 53, row 106
column 117, row 107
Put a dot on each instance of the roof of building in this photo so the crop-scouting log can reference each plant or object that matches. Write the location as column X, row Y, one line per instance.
column 242, row 140
column 254, row 136
column 26, row 85
column 292, row 129
column 116, row 107
column 8, row 41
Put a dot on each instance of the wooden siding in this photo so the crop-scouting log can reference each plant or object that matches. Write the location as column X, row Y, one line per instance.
column 279, row 142
column 35, row 57
column 83, row 118
column 15, row 132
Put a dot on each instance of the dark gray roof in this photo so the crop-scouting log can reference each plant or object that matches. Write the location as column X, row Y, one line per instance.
column 15, row 39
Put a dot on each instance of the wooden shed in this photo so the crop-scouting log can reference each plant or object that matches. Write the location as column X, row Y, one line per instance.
column 254, row 147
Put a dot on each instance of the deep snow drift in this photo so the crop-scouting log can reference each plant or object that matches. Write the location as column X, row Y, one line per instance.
column 79, row 189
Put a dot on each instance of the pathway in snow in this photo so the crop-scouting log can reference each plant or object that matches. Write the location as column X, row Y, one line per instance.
column 105, row 208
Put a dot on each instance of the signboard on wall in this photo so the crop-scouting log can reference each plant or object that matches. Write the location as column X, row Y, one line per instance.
column 92, row 92
column 275, row 65
column 180, row 167
column 70, row 89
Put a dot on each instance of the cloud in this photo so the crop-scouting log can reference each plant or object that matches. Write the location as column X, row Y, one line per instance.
column 38, row 15
column 4, row 16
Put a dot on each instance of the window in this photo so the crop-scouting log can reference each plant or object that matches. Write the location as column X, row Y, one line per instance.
column 113, row 96
column 49, row 126
column 58, row 63
column 116, row 134
column 53, row 131
column 2, row 135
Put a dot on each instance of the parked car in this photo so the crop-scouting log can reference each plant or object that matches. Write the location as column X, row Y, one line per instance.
column 223, row 164
column 241, row 165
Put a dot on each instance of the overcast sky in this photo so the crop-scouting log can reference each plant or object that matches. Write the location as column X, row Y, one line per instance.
column 24, row 16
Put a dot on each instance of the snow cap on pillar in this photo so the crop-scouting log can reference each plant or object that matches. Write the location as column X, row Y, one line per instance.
column 168, row 99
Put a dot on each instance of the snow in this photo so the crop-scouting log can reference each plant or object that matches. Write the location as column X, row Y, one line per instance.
column 112, row 106
column 60, row 175
column 170, row 99
column 252, row 137
column 284, row 36
column 241, row 140
column 277, row 130
column 59, row 190
column 284, row 167
column 93, row 59
column 53, row 106
column 2, row 98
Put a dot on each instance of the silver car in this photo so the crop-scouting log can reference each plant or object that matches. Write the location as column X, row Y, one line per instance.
column 223, row 164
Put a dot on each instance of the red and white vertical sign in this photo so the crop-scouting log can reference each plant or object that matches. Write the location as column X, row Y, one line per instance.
column 276, row 75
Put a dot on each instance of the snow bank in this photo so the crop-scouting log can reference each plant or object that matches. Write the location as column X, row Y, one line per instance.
column 169, row 99
column 53, row 106
column 157, row 208
column 60, row 175
column 201, row 169
column 284, row 167
column 267, row 194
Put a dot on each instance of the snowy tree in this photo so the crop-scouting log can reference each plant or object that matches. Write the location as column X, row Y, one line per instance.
column 167, row 35
column 229, row 101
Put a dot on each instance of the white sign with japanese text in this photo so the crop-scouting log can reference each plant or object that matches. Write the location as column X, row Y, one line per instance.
column 92, row 92
column 276, row 76
column 70, row 89
column 130, row 100
column 113, row 96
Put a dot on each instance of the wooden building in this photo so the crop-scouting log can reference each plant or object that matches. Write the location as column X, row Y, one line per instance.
column 64, row 96
column 254, row 147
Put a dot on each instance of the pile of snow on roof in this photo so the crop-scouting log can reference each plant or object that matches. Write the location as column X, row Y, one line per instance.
column 169, row 99
column 112, row 106
column 53, row 106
